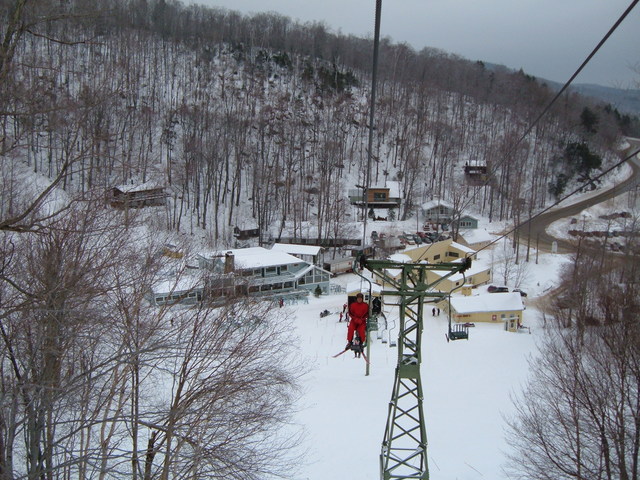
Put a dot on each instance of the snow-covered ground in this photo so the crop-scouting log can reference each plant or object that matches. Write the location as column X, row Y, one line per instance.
column 467, row 384
column 467, row 387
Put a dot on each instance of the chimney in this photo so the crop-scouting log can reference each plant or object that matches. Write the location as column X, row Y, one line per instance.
column 228, row 262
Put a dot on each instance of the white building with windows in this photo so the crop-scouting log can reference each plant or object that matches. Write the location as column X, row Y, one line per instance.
column 258, row 271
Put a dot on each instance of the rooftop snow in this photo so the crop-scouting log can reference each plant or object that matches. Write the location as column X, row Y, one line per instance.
column 140, row 187
column 256, row 257
column 295, row 249
column 476, row 235
column 489, row 302
column 435, row 203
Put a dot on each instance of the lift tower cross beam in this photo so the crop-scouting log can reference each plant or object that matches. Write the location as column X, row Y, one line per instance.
column 404, row 448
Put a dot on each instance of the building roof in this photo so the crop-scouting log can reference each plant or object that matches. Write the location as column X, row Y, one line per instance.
column 489, row 302
column 295, row 249
column 478, row 235
column 362, row 286
column 462, row 248
column 182, row 283
column 393, row 186
column 436, row 203
column 475, row 268
column 255, row 257
column 140, row 187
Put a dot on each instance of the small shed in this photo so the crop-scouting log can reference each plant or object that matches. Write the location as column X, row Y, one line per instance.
column 490, row 307
column 148, row 194
column 339, row 265
column 246, row 230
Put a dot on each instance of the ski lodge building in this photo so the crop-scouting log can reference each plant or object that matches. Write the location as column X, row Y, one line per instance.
column 258, row 271
column 251, row 271
column 489, row 307
column 184, row 290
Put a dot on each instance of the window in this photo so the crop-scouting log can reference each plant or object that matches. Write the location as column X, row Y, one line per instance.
column 380, row 196
column 453, row 254
column 270, row 271
column 436, row 257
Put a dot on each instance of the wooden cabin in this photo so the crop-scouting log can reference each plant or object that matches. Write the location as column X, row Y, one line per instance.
column 138, row 196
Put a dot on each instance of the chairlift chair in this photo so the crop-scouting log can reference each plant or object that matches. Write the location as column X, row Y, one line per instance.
column 458, row 331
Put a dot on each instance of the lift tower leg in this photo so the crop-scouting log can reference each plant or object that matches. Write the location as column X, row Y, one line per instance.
column 404, row 448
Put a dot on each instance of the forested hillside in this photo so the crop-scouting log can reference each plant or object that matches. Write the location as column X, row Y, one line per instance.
column 228, row 111
column 241, row 120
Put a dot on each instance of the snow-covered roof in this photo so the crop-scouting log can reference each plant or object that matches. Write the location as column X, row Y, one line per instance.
column 247, row 224
column 295, row 249
column 400, row 258
column 489, row 302
column 475, row 268
column 183, row 283
column 462, row 248
column 393, row 186
column 140, row 187
column 362, row 286
column 255, row 257
column 476, row 235
column 435, row 203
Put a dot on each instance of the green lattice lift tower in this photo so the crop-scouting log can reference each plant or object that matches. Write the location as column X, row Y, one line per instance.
column 404, row 448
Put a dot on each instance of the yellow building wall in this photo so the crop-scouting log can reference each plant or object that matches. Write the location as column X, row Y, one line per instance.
column 513, row 318
column 432, row 253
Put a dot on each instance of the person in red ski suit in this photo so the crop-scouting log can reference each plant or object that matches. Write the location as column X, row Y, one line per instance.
column 359, row 312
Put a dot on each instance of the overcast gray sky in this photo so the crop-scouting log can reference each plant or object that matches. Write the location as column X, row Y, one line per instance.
column 546, row 38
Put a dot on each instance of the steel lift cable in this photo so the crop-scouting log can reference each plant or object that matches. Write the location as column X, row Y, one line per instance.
column 573, row 192
column 602, row 41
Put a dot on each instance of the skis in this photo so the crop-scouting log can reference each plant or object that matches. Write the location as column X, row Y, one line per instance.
column 343, row 351
column 347, row 350
column 365, row 357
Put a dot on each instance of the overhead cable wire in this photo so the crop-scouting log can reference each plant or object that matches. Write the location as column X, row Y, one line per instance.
column 374, row 82
column 587, row 182
column 546, row 110
column 577, row 72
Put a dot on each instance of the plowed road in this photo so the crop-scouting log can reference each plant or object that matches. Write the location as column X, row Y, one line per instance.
column 538, row 225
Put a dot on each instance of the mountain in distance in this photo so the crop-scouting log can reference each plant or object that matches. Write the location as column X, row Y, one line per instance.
column 625, row 100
